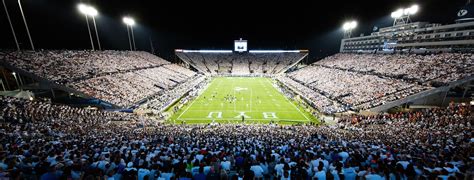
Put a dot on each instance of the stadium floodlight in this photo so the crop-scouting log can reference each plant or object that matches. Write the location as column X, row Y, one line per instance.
column 130, row 22
column 348, row 27
column 90, row 11
column 353, row 24
column 82, row 8
column 274, row 51
column 402, row 15
column 16, row 80
column 398, row 13
column 87, row 10
column 413, row 9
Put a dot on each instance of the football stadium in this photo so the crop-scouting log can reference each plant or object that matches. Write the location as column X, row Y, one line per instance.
column 144, row 90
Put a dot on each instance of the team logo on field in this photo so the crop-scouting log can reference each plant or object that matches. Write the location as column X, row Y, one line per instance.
column 215, row 115
column 240, row 88
column 269, row 115
column 242, row 114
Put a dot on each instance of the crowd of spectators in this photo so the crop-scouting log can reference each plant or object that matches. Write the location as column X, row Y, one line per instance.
column 122, row 78
column 363, row 81
column 241, row 63
column 130, row 87
column 16, row 110
column 354, row 88
column 163, row 100
column 435, row 68
column 316, row 99
column 45, row 141
column 62, row 66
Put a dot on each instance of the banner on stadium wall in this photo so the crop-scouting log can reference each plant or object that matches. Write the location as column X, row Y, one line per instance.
column 465, row 14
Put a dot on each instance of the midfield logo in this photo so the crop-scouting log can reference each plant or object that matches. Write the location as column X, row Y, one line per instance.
column 240, row 88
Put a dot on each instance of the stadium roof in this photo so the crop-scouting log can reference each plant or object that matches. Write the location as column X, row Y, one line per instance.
column 250, row 51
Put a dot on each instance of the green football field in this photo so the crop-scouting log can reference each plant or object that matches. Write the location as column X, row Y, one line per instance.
column 242, row 99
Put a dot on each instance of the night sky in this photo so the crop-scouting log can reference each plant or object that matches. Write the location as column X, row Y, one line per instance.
column 288, row 24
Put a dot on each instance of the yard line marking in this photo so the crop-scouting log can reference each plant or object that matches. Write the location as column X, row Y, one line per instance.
column 235, row 102
column 238, row 119
column 202, row 92
column 291, row 103
column 250, row 99
column 207, row 105
column 205, row 110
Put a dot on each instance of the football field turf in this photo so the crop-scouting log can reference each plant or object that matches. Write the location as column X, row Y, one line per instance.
column 228, row 99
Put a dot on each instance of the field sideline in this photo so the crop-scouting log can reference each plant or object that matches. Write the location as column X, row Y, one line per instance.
column 228, row 99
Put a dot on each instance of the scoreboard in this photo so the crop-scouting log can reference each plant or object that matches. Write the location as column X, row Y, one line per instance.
column 240, row 45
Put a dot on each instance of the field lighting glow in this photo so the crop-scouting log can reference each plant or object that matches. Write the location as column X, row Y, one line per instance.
column 274, row 51
column 87, row 10
column 230, row 51
column 405, row 11
column 349, row 25
column 204, row 51
column 129, row 21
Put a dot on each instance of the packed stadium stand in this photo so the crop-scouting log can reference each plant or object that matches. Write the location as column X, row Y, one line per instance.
column 316, row 99
column 64, row 142
column 56, row 65
column 16, row 110
column 122, row 78
column 345, row 81
column 241, row 63
column 362, row 81
column 431, row 69
column 42, row 138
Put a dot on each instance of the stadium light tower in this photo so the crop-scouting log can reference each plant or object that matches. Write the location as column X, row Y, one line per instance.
column 11, row 26
column 16, row 80
column 90, row 11
column 130, row 22
column 93, row 13
column 348, row 27
column 402, row 15
column 26, row 25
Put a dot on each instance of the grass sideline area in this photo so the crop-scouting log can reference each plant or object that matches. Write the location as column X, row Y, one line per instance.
column 228, row 99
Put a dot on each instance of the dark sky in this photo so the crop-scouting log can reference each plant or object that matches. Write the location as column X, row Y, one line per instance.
column 286, row 24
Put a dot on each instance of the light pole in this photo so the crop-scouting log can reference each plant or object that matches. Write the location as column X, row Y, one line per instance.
column 11, row 26
column 1, row 81
column 21, row 81
column 348, row 27
column 90, row 11
column 96, row 33
column 26, row 25
column 128, row 35
column 130, row 22
column 16, row 80
column 133, row 38
column 151, row 46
